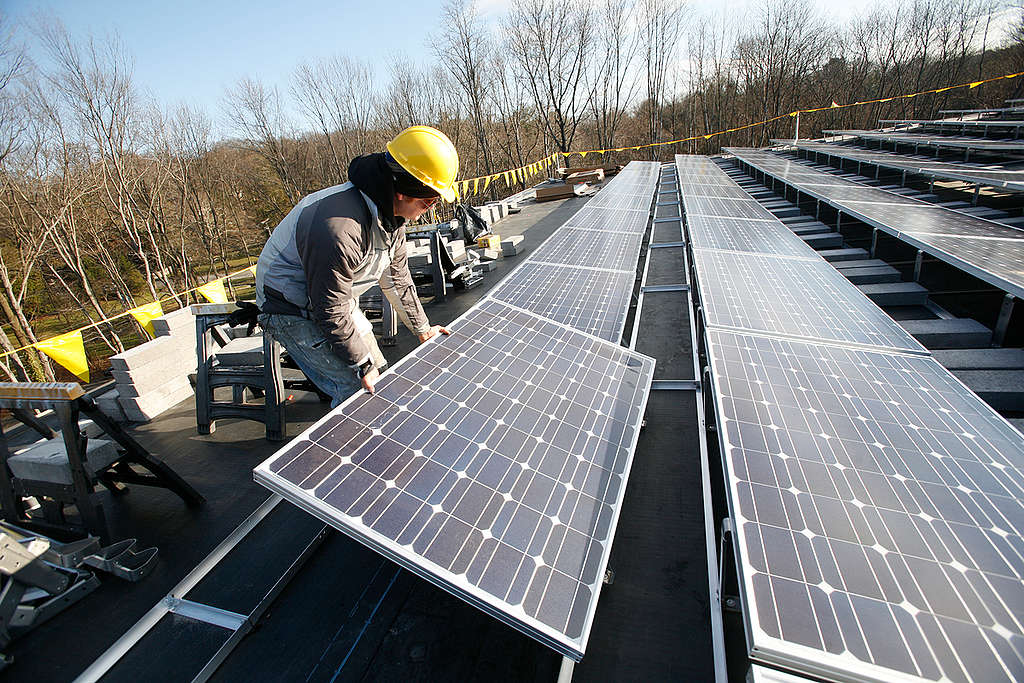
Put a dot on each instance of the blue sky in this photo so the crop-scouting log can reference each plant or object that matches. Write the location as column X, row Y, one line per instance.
column 191, row 50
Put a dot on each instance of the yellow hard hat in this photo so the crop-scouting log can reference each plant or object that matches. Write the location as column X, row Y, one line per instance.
column 429, row 156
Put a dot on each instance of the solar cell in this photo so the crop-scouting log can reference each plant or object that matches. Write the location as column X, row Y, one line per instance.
column 878, row 512
column 793, row 297
column 737, row 234
column 709, row 190
column 492, row 462
column 622, row 200
column 590, row 248
column 941, row 141
column 916, row 217
column 592, row 301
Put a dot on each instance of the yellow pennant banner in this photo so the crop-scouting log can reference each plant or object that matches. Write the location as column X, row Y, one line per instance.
column 68, row 350
column 214, row 292
column 487, row 183
column 145, row 314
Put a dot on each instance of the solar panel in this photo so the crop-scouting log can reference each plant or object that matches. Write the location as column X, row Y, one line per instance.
column 738, row 234
column 492, row 462
column 590, row 248
column 592, row 301
column 1005, row 146
column 793, row 297
column 1012, row 180
column 622, row 200
column 707, row 190
column 916, row 217
column 731, row 208
column 612, row 220
column 878, row 513
column 917, row 223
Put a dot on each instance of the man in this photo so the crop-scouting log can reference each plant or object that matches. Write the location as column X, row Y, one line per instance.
column 336, row 244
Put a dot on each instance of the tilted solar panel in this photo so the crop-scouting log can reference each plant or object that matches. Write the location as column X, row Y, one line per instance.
column 879, row 512
column 492, row 462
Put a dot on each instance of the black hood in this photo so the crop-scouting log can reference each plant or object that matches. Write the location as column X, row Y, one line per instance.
column 370, row 173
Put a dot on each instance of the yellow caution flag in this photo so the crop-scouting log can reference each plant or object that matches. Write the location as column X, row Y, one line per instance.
column 583, row 155
column 214, row 292
column 487, row 183
column 145, row 314
column 835, row 104
column 476, row 185
column 975, row 84
column 69, row 350
column 252, row 269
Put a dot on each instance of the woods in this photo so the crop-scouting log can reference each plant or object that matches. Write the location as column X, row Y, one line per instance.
column 110, row 199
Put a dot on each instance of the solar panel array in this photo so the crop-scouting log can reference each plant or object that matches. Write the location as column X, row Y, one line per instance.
column 493, row 461
column 947, row 234
column 878, row 505
column 1008, row 179
column 938, row 141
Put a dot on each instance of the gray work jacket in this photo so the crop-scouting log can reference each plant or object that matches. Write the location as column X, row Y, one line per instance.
column 328, row 251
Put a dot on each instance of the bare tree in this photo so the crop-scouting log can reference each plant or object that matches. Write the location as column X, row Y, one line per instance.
column 661, row 26
column 549, row 42
column 615, row 81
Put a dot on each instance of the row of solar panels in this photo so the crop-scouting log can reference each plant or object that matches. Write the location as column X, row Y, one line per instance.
column 937, row 141
column 1009, row 180
column 990, row 251
column 877, row 503
column 493, row 461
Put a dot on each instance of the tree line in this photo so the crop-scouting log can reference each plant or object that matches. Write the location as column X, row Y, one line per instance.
column 110, row 199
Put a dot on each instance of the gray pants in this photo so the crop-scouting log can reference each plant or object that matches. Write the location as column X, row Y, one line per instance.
column 312, row 352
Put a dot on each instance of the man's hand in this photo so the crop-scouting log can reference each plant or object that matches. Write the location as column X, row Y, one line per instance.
column 433, row 332
column 370, row 379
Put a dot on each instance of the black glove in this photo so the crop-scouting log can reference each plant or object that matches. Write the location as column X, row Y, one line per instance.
column 247, row 314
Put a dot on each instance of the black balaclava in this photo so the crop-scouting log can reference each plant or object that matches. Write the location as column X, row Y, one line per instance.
column 380, row 177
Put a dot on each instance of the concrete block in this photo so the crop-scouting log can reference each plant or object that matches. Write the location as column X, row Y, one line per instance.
column 422, row 242
column 813, row 228
column 48, row 460
column 827, row 240
column 145, row 408
column 860, row 263
column 847, row 254
column 486, row 266
column 785, row 212
column 872, row 275
column 512, row 246
column 955, row 333
column 153, row 350
column 981, row 359
column 1001, row 389
column 111, row 407
column 896, row 294
column 174, row 322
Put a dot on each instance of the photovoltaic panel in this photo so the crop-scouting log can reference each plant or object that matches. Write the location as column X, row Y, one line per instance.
column 590, row 248
column 914, row 217
column 792, row 297
column 1004, row 146
column 1011, row 180
column 730, row 208
column 595, row 302
column 707, row 190
column 738, row 234
column 612, row 220
column 492, row 462
column 878, row 508
column 916, row 222
column 622, row 200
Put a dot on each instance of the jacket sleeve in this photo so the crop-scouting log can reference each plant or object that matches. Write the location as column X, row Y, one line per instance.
column 397, row 285
column 331, row 250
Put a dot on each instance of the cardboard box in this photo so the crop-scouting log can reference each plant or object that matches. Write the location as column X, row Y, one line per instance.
column 594, row 176
column 489, row 242
column 549, row 193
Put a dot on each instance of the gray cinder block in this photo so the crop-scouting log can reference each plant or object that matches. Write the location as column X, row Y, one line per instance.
column 154, row 350
column 174, row 322
column 145, row 408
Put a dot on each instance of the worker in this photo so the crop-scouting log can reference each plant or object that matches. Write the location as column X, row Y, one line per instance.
column 336, row 244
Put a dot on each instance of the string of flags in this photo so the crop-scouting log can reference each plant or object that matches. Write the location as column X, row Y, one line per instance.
column 68, row 349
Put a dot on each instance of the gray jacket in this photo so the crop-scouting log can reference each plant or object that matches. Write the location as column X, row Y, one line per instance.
column 328, row 251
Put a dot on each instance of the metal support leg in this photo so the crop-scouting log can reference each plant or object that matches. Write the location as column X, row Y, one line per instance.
column 436, row 270
column 874, row 242
column 1005, row 313
column 977, row 192
column 918, row 263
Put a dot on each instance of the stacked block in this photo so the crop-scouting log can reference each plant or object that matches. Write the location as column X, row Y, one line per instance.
column 153, row 377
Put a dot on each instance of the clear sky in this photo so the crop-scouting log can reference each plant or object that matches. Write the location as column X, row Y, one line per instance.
column 191, row 50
